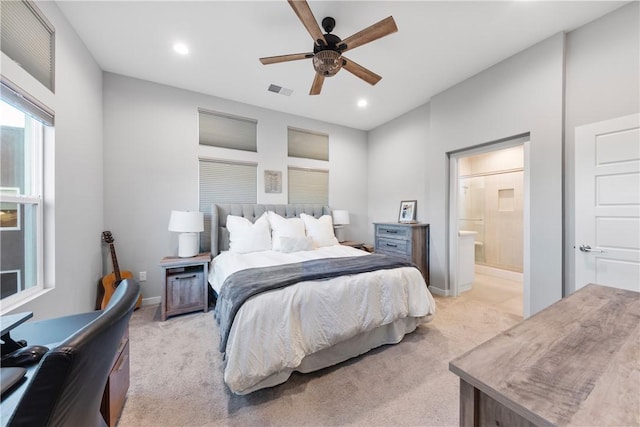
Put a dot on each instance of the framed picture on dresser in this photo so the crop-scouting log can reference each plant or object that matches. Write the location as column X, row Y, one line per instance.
column 407, row 212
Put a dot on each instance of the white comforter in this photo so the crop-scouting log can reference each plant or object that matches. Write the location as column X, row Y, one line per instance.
column 275, row 330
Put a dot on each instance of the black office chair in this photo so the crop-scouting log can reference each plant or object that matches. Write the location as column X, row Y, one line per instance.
column 69, row 382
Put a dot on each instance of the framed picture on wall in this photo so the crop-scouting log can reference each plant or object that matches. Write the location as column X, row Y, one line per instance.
column 272, row 181
column 407, row 211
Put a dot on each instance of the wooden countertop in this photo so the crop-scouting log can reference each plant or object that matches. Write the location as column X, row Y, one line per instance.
column 575, row 363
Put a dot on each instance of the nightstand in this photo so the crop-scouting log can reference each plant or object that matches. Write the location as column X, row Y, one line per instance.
column 185, row 284
column 357, row 245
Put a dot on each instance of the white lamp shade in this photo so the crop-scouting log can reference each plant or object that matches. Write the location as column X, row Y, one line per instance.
column 186, row 222
column 340, row 217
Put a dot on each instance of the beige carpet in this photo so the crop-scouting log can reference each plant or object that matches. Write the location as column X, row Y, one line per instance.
column 176, row 373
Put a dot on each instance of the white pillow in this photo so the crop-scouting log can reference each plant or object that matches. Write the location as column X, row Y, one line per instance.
column 320, row 230
column 245, row 237
column 284, row 227
column 295, row 244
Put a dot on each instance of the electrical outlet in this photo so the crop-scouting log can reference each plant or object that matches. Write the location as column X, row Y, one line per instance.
column 143, row 276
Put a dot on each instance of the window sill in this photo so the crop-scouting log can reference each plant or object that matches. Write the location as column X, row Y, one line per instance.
column 22, row 299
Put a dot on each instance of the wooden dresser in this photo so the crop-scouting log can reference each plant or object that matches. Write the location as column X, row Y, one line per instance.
column 410, row 241
column 575, row 363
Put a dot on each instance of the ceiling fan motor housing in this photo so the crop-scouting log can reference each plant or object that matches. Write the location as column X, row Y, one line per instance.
column 327, row 60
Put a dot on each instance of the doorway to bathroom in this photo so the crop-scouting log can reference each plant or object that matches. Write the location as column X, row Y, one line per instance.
column 488, row 201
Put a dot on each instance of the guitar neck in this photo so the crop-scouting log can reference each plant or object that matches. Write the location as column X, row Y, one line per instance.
column 114, row 260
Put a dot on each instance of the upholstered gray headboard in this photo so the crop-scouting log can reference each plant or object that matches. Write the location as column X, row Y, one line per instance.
column 219, row 212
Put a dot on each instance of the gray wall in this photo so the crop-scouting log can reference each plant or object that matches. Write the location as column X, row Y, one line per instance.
column 396, row 157
column 151, row 166
column 602, row 83
column 74, row 180
column 521, row 94
column 149, row 154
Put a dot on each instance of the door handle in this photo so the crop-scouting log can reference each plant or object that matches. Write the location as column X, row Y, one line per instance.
column 587, row 248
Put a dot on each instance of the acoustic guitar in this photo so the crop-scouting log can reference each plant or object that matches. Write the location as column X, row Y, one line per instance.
column 110, row 282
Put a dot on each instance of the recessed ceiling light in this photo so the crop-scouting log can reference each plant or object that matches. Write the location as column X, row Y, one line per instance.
column 181, row 48
column 362, row 103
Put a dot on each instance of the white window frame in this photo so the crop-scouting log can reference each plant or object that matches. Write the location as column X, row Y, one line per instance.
column 40, row 135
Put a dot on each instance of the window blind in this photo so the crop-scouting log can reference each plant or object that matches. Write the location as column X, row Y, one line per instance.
column 221, row 130
column 224, row 182
column 29, row 39
column 307, row 144
column 308, row 186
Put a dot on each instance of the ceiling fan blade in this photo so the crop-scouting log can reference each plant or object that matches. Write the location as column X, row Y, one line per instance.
column 302, row 9
column 361, row 72
column 284, row 58
column 369, row 34
column 316, row 87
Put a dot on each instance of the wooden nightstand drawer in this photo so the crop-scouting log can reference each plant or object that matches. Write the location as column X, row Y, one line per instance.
column 393, row 232
column 185, row 284
column 184, row 291
column 393, row 246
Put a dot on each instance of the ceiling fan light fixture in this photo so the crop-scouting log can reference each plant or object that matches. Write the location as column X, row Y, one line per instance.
column 327, row 62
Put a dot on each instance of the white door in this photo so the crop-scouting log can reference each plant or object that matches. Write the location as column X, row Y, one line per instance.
column 607, row 235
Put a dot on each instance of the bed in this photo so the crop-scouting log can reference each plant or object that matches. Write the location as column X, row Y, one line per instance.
column 341, row 308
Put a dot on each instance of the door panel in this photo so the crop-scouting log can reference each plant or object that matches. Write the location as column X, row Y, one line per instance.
column 608, row 203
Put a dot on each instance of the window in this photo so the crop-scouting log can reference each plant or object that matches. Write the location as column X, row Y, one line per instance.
column 23, row 124
column 226, row 131
column 308, row 186
column 307, row 144
column 29, row 39
column 224, row 182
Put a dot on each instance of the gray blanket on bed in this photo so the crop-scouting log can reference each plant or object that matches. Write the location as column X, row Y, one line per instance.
column 244, row 284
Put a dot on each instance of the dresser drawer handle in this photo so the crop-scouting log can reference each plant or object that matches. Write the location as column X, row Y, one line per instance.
column 391, row 231
column 391, row 246
column 186, row 277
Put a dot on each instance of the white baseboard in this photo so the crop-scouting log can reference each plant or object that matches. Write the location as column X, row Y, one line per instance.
column 466, row 287
column 502, row 274
column 150, row 301
column 439, row 291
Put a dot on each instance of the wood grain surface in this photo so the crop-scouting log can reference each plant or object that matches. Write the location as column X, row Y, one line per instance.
column 575, row 363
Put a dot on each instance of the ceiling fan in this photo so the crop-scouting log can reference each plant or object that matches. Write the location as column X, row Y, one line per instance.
column 328, row 48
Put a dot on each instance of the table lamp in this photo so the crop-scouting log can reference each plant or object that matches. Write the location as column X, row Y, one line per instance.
column 188, row 224
column 340, row 219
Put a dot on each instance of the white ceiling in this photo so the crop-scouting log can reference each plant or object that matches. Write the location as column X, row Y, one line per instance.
column 438, row 44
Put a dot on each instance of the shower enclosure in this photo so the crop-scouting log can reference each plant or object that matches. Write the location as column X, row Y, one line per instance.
column 491, row 204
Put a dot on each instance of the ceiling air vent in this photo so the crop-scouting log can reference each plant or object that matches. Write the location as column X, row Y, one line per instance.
column 281, row 90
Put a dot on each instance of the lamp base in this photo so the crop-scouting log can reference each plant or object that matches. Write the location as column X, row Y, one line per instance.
column 339, row 231
column 187, row 245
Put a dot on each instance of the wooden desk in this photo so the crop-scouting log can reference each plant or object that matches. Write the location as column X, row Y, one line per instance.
column 576, row 363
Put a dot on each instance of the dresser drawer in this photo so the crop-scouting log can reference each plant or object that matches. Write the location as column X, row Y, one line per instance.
column 393, row 232
column 393, row 246
column 409, row 241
